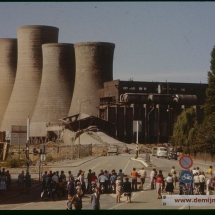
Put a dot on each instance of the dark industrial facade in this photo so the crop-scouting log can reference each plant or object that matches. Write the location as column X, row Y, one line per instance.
column 155, row 105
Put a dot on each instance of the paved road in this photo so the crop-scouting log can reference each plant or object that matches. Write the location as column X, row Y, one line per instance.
column 140, row 200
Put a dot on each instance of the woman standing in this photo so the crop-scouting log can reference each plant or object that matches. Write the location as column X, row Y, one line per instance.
column 159, row 183
column 174, row 176
column 118, row 189
column 169, row 184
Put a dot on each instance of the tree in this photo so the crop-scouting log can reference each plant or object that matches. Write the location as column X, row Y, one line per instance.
column 209, row 106
column 184, row 130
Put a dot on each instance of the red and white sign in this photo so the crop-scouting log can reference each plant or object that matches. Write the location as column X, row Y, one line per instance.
column 186, row 162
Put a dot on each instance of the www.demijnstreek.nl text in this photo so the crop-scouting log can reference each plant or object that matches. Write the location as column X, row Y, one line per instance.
column 190, row 200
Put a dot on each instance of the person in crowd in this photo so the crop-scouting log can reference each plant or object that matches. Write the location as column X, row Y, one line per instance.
column 152, row 178
column 79, row 173
column 119, row 189
column 2, row 182
column 71, row 187
column 44, row 175
column 161, row 174
column 142, row 173
column 134, row 175
column 70, row 175
column 169, row 184
column 107, row 185
column 49, row 185
column 127, row 189
column 121, row 175
column 102, row 182
column 77, row 200
column 113, row 181
column 95, row 199
column 196, row 179
column 210, row 171
column 174, row 175
column 27, row 180
column 89, row 175
column 8, row 180
column 209, row 186
column 202, row 182
column 159, row 183
column 82, row 182
column 69, row 203
column 20, row 181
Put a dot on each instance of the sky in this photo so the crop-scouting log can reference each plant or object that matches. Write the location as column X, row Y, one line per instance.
column 154, row 41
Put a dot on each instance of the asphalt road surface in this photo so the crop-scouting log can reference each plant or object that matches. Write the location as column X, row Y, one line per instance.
column 146, row 199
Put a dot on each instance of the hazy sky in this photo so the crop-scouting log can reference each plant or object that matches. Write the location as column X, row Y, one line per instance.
column 154, row 41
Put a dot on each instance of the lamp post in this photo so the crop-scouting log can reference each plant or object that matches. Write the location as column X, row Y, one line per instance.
column 79, row 125
column 27, row 146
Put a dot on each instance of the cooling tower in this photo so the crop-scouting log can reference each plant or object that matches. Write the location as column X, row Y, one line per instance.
column 56, row 88
column 94, row 66
column 8, row 64
column 29, row 72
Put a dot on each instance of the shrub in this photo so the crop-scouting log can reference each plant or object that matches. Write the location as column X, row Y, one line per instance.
column 13, row 162
column 49, row 158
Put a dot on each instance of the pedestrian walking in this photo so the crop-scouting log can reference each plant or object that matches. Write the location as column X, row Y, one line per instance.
column 20, row 181
column 77, row 200
column 27, row 180
column 89, row 175
column 202, row 182
column 127, row 189
column 169, row 184
column 8, row 180
column 134, row 175
column 95, row 199
column 152, row 178
column 159, row 183
column 69, row 203
column 142, row 173
column 119, row 189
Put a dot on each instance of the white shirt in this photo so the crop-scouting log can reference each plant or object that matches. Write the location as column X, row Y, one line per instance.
column 102, row 178
column 201, row 178
column 169, row 179
column 142, row 173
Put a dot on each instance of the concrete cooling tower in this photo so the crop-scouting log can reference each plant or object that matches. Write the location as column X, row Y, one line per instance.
column 8, row 66
column 29, row 72
column 94, row 66
column 56, row 88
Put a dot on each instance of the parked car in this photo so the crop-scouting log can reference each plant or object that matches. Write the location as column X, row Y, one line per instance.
column 172, row 155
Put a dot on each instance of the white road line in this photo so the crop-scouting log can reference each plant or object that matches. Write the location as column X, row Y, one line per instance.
column 96, row 166
column 126, row 166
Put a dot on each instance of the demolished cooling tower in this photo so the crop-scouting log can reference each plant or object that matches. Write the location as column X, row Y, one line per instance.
column 29, row 72
column 8, row 66
column 94, row 66
column 56, row 88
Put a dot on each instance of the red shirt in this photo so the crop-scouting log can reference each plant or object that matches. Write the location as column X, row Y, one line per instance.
column 159, row 180
column 93, row 178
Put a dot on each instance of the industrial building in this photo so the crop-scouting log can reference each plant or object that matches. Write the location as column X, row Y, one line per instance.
column 50, row 82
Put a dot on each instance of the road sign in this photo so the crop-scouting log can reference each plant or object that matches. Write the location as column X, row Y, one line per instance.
column 42, row 157
column 186, row 162
column 186, row 177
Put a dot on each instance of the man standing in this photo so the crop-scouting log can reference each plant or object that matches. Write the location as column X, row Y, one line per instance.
column 89, row 175
column 95, row 199
column 142, row 173
column 134, row 175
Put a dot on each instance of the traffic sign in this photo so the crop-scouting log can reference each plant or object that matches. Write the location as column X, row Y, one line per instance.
column 186, row 162
column 186, row 177
column 42, row 157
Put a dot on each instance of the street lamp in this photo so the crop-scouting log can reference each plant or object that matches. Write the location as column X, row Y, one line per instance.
column 80, row 125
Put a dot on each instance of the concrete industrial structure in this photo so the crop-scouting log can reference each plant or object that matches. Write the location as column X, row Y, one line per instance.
column 29, row 72
column 75, row 83
column 56, row 88
column 154, row 105
column 94, row 66
column 8, row 66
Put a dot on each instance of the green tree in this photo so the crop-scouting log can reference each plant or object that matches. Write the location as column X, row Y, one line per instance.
column 184, row 130
column 209, row 106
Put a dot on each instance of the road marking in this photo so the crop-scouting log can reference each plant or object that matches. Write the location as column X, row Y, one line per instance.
column 126, row 166
column 96, row 166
